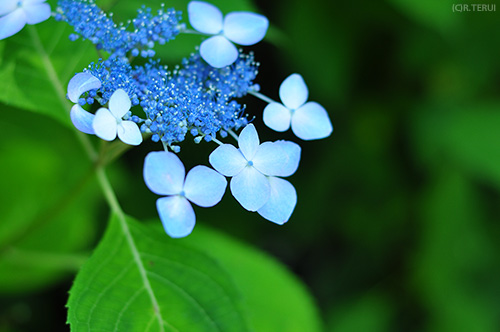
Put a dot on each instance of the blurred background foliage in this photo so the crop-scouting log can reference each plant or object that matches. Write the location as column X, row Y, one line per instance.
column 397, row 223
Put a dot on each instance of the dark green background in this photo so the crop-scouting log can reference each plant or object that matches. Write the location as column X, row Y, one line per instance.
column 397, row 222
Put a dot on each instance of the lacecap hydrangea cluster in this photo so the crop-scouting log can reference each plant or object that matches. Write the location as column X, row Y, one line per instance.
column 198, row 99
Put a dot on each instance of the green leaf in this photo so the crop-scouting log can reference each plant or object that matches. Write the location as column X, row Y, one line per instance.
column 371, row 312
column 48, row 202
column 140, row 280
column 466, row 138
column 273, row 299
column 456, row 258
column 37, row 63
column 435, row 14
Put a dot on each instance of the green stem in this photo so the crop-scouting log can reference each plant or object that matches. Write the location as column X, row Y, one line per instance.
column 63, row 262
column 61, row 95
column 102, row 178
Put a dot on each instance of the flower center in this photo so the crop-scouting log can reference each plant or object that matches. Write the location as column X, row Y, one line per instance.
column 182, row 193
column 250, row 163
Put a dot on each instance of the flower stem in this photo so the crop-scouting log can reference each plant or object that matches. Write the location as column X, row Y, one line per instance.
column 261, row 96
column 193, row 32
column 217, row 141
column 233, row 134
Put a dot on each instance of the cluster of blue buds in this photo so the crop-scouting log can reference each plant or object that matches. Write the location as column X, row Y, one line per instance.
column 197, row 99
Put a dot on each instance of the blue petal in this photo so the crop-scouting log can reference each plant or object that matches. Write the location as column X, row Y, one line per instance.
column 164, row 173
column 119, row 103
column 269, row 159
column 129, row 133
column 291, row 163
column 37, row 12
column 204, row 186
column 245, row 28
column 80, row 83
column 104, row 124
column 7, row 6
column 248, row 141
column 12, row 23
column 218, row 51
column 177, row 215
column 227, row 160
column 205, row 17
column 250, row 188
column 281, row 203
column 82, row 119
column 293, row 91
column 311, row 121
column 277, row 117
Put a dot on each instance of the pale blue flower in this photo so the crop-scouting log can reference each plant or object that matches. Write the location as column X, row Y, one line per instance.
column 79, row 84
column 308, row 120
column 164, row 175
column 108, row 123
column 281, row 203
column 254, row 167
column 243, row 28
column 15, row 14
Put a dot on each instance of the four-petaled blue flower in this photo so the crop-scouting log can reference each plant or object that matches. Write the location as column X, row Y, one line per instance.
column 79, row 84
column 242, row 28
column 164, row 175
column 254, row 167
column 178, row 103
column 108, row 123
column 308, row 120
column 15, row 14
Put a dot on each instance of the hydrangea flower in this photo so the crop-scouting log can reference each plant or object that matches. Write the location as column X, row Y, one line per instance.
column 243, row 28
column 15, row 14
column 281, row 203
column 254, row 167
column 93, row 24
column 108, row 123
column 164, row 175
column 78, row 85
column 308, row 120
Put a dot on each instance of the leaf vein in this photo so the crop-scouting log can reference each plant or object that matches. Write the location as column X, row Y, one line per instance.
column 191, row 298
column 105, row 290
column 126, row 305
